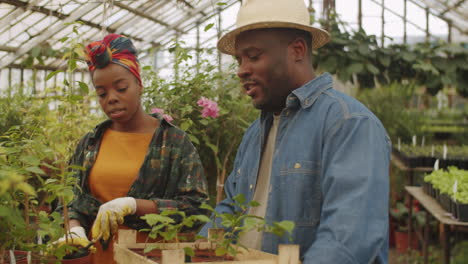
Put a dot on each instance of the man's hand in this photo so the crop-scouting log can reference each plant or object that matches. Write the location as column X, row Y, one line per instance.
column 111, row 215
column 76, row 237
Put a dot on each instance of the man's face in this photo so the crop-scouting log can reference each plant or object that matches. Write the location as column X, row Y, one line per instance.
column 263, row 68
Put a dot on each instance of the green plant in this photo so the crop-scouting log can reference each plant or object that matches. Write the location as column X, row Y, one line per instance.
column 239, row 223
column 415, row 257
column 168, row 225
column 216, row 138
column 389, row 104
column 400, row 214
column 357, row 57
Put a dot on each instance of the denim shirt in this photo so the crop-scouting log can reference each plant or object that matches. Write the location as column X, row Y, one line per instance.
column 329, row 175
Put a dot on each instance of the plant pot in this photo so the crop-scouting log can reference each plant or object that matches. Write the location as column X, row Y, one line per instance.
column 401, row 241
column 426, row 187
column 453, row 208
column 209, row 256
column 462, row 212
column 20, row 257
column 445, row 201
column 82, row 260
column 155, row 254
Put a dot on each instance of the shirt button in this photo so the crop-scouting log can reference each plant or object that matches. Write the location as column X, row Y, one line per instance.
column 297, row 165
column 251, row 186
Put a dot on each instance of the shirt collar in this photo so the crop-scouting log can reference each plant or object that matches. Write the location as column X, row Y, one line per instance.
column 100, row 128
column 306, row 95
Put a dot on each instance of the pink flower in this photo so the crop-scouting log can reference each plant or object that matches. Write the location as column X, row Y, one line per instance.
column 210, row 108
column 168, row 117
column 156, row 110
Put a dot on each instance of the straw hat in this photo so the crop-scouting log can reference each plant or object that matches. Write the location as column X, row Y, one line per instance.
column 256, row 14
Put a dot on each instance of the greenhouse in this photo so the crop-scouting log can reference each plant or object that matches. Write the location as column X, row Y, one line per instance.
column 234, row 131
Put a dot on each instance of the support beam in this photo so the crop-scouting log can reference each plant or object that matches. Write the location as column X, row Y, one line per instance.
column 5, row 21
column 156, row 38
column 8, row 48
column 360, row 14
column 48, row 33
column 452, row 8
column 417, row 3
column 382, row 37
column 220, row 22
column 43, row 67
column 400, row 16
column 40, row 9
column 122, row 24
column 427, row 24
column 405, row 20
column 449, row 37
column 144, row 15
column 198, row 46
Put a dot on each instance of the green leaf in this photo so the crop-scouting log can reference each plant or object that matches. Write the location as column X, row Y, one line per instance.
column 286, row 225
column 364, row 49
column 207, row 207
column 83, row 87
column 385, row 60
column 221, row 3
column 207, row 27
column 194, row 139
column 35, row 51
column 371, row 68
column 52, row 74
column 4, row 210
column 202, row 218
column 220, row 251
column 254, row 203
column 239, row 198
column 150, row 247
column 35, row 170
column 355, row 68
column 189, row 251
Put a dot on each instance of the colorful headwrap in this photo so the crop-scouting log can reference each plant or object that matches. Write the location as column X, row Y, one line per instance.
column 116, row 49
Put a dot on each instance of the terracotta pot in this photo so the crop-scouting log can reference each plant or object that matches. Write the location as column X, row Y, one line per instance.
column 401, row 241
column 20, row 256
column 209, row 256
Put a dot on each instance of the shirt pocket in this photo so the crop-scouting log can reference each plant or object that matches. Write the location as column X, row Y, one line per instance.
column 299, row 186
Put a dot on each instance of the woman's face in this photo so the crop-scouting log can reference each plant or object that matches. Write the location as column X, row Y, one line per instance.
column 119, row 92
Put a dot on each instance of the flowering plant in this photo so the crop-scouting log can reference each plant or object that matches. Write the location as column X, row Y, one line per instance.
column 210, row 107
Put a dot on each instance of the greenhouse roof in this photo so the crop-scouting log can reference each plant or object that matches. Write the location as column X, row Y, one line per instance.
column 28, row 26
column 25, row 25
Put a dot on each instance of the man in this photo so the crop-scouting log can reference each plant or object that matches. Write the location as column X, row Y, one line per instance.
column 315, row 156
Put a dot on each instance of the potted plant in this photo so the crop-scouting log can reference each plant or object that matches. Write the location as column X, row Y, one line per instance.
column 400, row 215
column 225, row 241
column 168, row 227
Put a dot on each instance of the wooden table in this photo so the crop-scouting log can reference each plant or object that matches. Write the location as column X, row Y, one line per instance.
column 433, row 208
column 409, row 170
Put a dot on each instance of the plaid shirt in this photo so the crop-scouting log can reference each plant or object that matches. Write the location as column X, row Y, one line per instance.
column 171, row 175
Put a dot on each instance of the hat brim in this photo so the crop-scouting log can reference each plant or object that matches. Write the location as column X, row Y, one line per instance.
column 226, row 43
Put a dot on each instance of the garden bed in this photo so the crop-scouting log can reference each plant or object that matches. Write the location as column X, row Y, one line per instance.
column 126, row 251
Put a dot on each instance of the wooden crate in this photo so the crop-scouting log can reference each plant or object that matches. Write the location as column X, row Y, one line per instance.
column 173, row 253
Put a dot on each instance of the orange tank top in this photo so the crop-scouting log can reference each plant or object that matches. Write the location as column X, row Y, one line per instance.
column 117, row 165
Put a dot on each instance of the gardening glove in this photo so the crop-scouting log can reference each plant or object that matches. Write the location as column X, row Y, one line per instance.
column 76, row 237
column 111, row 215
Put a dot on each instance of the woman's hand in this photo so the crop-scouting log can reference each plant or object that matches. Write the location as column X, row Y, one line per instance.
column 76, row 237
column 111, row 215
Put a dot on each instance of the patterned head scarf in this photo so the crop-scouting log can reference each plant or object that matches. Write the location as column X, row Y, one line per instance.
column 116, row 49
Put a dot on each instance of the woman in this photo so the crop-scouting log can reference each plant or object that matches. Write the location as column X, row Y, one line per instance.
column 134, row 163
